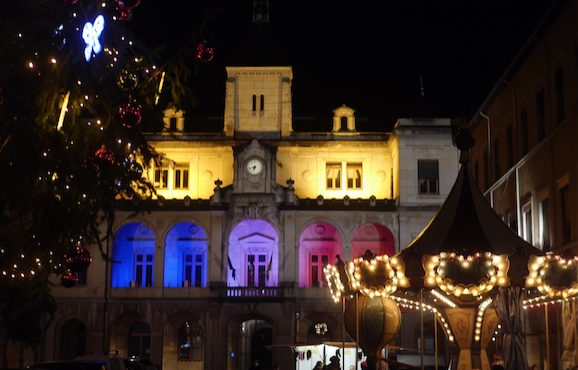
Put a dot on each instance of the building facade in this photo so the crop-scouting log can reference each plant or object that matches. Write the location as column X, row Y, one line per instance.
column 525, row 155
column 226, row 259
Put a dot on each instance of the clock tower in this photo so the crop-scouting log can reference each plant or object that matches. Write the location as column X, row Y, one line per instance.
column 254, row 168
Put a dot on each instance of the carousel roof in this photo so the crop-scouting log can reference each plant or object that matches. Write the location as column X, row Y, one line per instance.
column 465, row 225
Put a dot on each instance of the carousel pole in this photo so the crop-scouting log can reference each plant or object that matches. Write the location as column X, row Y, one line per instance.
column 343, row 331
column 421, row 325
column 436, row 339
column 547, row 367
column 575, row 333
column 357, row 327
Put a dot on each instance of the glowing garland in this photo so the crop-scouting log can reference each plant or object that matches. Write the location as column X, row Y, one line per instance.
column 90, row 34
column 408, row 303
column 481, row 309
column 373, row 278
column 542, row 269
column 436, row 269
column 333, row 279
column 443, row 299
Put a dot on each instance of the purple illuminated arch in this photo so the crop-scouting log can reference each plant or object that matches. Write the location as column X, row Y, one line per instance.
column 318, row 241
column 374, row 237
column 253, row 242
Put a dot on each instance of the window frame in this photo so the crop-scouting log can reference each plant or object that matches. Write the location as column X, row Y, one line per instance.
column 182, row 334
column 144, row 273
column 356, row 181
column 336, row 183
column 319, row 264
column 427, row 181
column 181, row 176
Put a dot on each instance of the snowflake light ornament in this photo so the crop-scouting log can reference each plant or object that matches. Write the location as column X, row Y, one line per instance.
column 90, row 34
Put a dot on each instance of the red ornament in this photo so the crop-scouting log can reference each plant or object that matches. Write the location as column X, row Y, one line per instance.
column 77, row 259
column 68, row 279
column 103, row 159
column 129, row 4
column 129, row 113
column 122, row 12
column 204, row 52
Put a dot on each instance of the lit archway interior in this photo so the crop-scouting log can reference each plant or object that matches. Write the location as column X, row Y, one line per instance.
column 134, row 252
column 186, row 256
column 319, row 244
column 374, row 237
column 253, row 255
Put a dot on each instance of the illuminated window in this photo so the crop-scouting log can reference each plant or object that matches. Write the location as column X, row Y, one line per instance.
column 544, row 220
column 333, row 171
column 354, row 176
column 181, row 176
column 316, row 263
column 527, row 222
column 140, row 340
column 143, row 272
column 161, row 178
column 428, row 176
column 193, row 269
column 190, row 342
column 256, row 270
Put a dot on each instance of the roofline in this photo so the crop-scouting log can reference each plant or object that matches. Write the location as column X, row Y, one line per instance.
column 529, row 46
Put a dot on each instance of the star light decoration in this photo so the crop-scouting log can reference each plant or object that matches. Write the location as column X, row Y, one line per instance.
column 90, row 34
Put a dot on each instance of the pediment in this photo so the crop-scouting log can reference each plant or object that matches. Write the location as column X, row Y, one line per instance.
column 256, row 238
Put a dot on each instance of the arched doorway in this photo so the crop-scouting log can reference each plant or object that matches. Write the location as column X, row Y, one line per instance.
column 254, row 337
column 253, row 255
column 72, row 340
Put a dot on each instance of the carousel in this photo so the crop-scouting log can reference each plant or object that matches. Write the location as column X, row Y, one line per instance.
column 470, row 270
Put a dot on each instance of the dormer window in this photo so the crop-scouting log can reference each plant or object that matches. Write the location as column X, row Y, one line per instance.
column 173, row 124
column 343, row 123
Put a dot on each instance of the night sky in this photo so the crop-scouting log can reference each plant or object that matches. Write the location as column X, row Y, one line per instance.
column 367, row 55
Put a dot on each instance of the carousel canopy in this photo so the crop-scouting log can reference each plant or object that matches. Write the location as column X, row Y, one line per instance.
column 466, row 226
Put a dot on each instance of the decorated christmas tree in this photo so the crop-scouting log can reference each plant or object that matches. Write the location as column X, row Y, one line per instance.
column 76, row 88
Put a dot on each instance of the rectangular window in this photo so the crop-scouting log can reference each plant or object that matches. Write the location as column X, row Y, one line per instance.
column 497, row 169
column 524, row 131
column 544, row 221
column 428, row 176
column 161, row 178
column 486, row 169
column 527, row 222
column 144, row 270
column 510, row 146
column 354, row 175
column 256, row 270
column 559, row 91
column 181, row 176
column 565, row 208
column 540, row 115
column 317, row 262
column 333, row 171
column 193, row 269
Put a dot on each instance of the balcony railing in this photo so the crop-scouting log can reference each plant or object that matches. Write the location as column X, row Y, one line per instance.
column 262, row 292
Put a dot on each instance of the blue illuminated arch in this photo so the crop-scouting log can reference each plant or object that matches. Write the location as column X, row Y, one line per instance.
column 186, row 248
column 131, row 239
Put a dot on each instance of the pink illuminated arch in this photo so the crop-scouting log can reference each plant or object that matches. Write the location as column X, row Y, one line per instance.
column 319, row 244
column 374, row 237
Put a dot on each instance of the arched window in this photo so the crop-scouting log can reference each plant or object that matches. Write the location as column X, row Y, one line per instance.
column 134, row 248
column 254, row 103
column 139, row 341
column 343, row 123
column 72, row 340
column 173, row 124
column 190, row 342
column 262, row 102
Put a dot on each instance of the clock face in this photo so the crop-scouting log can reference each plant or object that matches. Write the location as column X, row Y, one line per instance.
column 254, row 166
